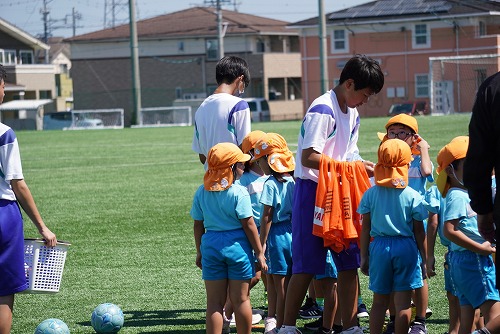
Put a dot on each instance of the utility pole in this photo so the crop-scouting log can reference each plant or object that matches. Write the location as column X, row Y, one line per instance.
column 220, row 37
column 221, row 27
column 323, row 60
column 117, row 10
column 134, row 58
column 45, row 13
column 75, row 16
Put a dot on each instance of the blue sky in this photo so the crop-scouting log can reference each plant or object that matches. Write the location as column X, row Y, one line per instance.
column 26, row 14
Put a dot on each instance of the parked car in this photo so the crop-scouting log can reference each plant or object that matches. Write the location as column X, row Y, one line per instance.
column 412, row 108
column 259, row 109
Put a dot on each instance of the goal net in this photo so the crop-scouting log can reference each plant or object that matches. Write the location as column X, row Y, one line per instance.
column 454, row 81
column 165, row 116
column 97, row 119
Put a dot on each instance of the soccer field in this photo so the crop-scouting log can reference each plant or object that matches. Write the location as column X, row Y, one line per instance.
column 122, row 198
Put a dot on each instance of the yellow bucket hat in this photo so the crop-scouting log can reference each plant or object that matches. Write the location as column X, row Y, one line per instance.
column 221, row 158
column 456, row 149
column 279, row 157
column 251, row 139
column 394, row 157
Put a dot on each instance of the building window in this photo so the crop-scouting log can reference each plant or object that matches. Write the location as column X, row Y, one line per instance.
column 421, row 38
column 261, row 45
column 178, row 92
column 212, row 48
column 180, row 46
column 26, row 57
column 422, row 85
column 339, row 41
column 7, row 57
column 45, row 94
column 481, row 28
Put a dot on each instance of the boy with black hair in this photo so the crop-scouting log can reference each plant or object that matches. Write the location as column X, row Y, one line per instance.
column 14, row 192
column 330, row 127
column 223, row 116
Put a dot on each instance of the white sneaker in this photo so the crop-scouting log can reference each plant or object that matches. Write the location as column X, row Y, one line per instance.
column 293, row 330
column 353, row 330
column 269, row 325
column 256, row 318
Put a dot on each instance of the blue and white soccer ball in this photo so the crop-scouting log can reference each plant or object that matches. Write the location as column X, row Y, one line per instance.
column 52, row 326
column 107, row 318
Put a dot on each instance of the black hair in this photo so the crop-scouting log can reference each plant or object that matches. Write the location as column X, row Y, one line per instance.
column 3, row 73
column 365, row 72
column 279, row 176
column 231, row 67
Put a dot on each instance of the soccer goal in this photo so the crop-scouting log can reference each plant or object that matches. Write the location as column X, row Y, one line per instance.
column 165, row 116
column 454, row 81
column 97, row 119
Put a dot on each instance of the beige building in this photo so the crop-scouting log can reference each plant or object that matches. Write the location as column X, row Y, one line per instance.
column 177, row 58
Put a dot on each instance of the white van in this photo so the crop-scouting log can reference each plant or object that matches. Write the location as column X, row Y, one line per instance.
column 259, row 109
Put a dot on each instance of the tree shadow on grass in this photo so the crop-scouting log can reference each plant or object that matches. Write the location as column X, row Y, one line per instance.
column 177, row 318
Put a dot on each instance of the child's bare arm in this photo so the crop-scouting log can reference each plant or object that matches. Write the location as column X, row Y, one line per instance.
column 420, row 238
column 265, row 224
column 425, row 164
column 432, row 227
column 250, row 229
column 365, row 243
column 25, row 199
column 199, row 230
column 458, row 237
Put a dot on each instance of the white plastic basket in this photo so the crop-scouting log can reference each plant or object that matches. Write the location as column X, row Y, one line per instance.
column 44, row 265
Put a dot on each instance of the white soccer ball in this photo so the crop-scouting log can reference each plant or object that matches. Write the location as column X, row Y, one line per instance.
column 52, row 326
column 107, row 318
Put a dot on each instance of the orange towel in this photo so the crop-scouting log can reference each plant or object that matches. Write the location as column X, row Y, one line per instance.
column 341, row 185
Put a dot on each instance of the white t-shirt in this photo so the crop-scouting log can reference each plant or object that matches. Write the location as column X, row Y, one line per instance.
column 328, row 130
column 220, row 118
column 10, row 162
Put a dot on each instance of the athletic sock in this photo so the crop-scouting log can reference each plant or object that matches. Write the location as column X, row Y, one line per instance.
column 420, row 319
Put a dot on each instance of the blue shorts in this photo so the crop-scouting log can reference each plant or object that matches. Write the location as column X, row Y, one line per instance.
column 12, row 274
column 394, row 265
column 309, row 253
column 226, row 255
column 331, row 269
column 474, row 276
column 449, row 285
column 279, row 249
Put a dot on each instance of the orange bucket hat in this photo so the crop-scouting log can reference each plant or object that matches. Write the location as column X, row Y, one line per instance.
column 456, row 149
column 279, row 157
column 394, row 157
column 404, row 119
column 221, row 158
column 251, row 139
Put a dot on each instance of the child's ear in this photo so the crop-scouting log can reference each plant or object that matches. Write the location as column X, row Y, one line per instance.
column 449, row 170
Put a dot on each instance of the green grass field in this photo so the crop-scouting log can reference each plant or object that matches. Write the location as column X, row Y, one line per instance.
column 122, row 198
